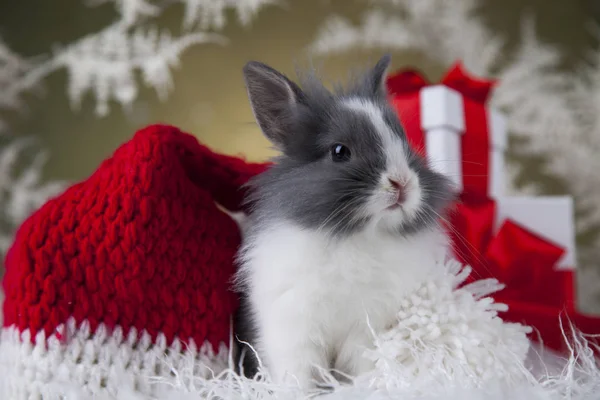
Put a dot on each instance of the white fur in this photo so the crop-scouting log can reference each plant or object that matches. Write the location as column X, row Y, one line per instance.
column 392, row 145
column 311, row 296
column 397, row 168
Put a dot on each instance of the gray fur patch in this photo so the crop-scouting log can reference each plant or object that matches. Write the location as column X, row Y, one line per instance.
column 307, row 187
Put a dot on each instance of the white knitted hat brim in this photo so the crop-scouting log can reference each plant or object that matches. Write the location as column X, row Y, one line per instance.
column 101, row 364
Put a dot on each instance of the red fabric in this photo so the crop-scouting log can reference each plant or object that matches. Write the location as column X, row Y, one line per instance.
column 140, row 243
column 547, row 321
column 475, row 148
column 404, row 88
column 476, row 89
column 536, row 293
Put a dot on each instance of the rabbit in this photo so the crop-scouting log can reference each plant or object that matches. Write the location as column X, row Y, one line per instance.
column 342, row 226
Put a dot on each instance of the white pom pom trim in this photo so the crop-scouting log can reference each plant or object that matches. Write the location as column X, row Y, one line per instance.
column 448, row 343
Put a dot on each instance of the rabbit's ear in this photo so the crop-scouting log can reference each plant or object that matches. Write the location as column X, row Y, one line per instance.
column 274, row 100
column 380, row 71
column 374, row 81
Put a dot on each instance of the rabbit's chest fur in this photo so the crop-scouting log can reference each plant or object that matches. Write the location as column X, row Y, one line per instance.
column 316, row 295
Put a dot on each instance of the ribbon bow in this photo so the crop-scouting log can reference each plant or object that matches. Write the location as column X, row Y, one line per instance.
column 536, row 293
column 404, row 87
column 411, row 81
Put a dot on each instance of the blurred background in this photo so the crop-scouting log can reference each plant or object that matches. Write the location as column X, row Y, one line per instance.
column 78, row 77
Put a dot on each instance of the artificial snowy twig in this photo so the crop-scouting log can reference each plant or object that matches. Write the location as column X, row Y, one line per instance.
column 207, row 14
column 105, row 63
column 378, row 30
column 203, row 14
column 21, row 193
column 131, row 11
column 16, row 76
column 410, row 26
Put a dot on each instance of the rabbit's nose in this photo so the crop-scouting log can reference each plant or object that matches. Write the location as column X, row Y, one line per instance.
column 400, row 189
column 396, row 184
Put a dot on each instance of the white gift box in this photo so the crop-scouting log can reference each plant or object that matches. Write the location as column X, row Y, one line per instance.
column 443, row 124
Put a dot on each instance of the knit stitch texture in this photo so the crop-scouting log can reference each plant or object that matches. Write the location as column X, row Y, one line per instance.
column 139, row 244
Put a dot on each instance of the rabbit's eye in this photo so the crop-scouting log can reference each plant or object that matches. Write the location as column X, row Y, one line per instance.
column 340, row 153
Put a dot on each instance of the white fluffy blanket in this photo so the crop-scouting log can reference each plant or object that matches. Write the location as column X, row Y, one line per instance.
column 448, row 344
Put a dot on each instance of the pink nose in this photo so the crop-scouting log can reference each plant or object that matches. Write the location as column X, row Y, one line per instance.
column 400, row 189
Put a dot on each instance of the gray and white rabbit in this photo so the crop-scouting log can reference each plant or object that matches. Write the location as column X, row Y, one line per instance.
column 343, row 225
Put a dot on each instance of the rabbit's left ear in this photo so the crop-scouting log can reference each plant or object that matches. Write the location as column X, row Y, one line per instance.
column 274, row 99
column 375, row 79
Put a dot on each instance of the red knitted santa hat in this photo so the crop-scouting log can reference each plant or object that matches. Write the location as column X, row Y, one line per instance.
column 126, row 273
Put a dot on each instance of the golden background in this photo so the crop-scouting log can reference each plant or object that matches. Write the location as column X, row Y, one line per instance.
column 208, row 98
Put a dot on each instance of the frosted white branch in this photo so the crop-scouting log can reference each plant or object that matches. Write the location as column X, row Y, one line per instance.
column 131, row 11
column 427, row 25
column 22, row 192
column 207, row 14
column 204, row 14
column 378, row 30
column 105, row 63
column 18, row 75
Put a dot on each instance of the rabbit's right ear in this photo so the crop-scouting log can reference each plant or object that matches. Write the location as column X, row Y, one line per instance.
column 274, row 100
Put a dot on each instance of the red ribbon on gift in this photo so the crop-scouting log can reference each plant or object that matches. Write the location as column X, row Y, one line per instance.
column 537, row 294
column 404, row 88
